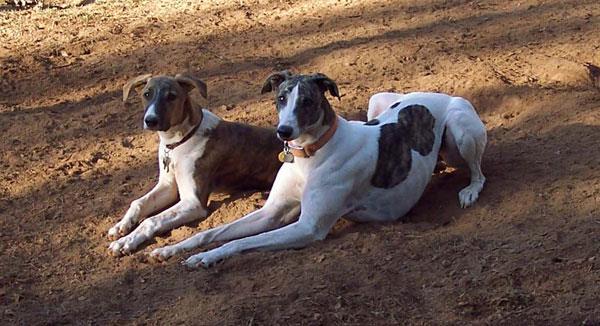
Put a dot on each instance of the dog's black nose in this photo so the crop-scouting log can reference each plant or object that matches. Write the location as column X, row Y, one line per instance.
column 151, row 121
column 285, row 132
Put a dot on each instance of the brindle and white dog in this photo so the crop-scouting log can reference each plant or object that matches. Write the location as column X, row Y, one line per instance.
column 374, row 171
column 198, row 153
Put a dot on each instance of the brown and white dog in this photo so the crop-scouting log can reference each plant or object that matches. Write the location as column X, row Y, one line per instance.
column 198, row 153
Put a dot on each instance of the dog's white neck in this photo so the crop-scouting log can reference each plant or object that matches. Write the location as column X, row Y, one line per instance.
column 176, row 133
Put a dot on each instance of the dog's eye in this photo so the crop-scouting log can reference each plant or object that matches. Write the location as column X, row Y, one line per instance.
column 147, row 94
column 171, row 97
column 281, row 99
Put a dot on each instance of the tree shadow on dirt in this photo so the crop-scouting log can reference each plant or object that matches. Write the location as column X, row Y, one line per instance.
column 79, row 76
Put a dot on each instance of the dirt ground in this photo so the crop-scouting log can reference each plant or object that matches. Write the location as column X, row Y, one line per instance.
column 73, row 156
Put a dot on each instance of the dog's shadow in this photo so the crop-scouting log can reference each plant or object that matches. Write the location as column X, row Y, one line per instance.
column 223, row 199
column 439, row 203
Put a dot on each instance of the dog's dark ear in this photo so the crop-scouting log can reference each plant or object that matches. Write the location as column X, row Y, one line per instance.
column 326, row 84
column 190, row 82
column 274, row 80
column 134, row 82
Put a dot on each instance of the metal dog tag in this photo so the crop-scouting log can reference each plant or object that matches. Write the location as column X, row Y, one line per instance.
column 286, row 156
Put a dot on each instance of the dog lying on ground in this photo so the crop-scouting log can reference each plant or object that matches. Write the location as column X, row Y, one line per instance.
column 373, row 171
column 198, row 153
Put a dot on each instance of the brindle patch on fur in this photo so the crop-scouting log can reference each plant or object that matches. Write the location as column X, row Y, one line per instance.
column 219, row 168
column 372, row 122
column 413, row 131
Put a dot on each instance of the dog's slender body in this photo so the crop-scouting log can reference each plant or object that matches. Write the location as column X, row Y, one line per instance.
column 198, row 154
column 374, row 171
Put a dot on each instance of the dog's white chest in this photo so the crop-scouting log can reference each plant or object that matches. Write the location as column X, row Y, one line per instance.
column 181, row 160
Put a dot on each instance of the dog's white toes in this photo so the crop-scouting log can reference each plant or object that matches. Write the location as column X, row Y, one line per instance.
column 113, row 232
column 467, row 197
column 115, row 248
column 122, row 246
column 125, row 228
column 192, row 262
column 204, row 259
column 164, row 253
column 120, row 229
column 127, row 248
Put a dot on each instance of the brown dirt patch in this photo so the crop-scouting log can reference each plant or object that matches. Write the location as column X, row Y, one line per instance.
column 73, row 157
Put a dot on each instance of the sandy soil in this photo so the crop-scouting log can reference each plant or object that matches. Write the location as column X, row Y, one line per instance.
column 73, row 156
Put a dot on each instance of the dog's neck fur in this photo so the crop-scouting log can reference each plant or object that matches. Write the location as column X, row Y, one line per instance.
column 193, row 117
column 314, row 132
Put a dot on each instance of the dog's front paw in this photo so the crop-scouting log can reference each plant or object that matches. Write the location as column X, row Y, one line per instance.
column 124, row 245
column 165, row 252
column 120, row 229
column 115, row 248
column 205, row 259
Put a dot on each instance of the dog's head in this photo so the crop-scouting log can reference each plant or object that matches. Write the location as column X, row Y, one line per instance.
column 166, row 99
column 300, row 102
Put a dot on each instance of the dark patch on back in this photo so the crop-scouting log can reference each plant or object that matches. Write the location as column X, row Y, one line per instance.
column 413, row 131
column 372, row 122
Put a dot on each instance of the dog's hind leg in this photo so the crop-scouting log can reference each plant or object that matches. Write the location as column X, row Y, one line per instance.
column 471, row 151
column 380, row 102
column 465, row 141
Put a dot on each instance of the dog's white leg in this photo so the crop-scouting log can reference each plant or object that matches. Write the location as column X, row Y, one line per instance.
column 282, row 207
column 380, row 102
column 162, row 195
column 321, row 208
column 471, row 151
column 295, row 235
column 469, row 135
column 259, row 221
column 181, row 213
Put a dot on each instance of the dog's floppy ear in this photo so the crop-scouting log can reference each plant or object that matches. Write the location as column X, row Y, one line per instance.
column 326, row 84
column 274, row 80
column 134, row 82
column 190, row 82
